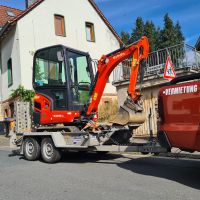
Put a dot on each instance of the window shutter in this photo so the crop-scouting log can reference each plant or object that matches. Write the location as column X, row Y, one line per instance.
column 59, row 25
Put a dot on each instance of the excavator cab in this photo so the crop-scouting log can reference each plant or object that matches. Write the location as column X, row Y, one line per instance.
column 62, row 80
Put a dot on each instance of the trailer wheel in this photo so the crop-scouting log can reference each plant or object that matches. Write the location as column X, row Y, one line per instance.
column 31, row 149
column 50, row 154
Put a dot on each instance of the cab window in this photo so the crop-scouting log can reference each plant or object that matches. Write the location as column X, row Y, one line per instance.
column 49, row 67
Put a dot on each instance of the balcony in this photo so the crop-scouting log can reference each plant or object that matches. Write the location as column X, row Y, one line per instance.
column 184, row 57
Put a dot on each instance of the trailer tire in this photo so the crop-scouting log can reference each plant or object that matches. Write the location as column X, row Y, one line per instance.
column 31, row 149
column 50, row 154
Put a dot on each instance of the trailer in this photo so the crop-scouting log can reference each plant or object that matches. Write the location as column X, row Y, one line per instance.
column 65, row 105
column 50, row 145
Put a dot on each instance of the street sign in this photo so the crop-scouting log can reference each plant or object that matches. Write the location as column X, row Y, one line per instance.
column 169, row 72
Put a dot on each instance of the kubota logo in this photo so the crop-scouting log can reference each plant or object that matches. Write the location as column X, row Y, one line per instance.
column 58, row 116
column 119, row 55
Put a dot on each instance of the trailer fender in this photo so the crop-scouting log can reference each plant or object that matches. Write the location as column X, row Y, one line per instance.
column 57, row 137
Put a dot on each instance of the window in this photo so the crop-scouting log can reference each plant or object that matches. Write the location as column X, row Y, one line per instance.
column 59, row 25
column 11, row 13
column 80, row 77
column 49, row 69
column 10, row 77
column 90, row 36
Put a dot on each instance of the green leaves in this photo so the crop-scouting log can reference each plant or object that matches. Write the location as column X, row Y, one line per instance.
column 169, row 35
column 22, row 94
column 138, row 31
column 125, row 37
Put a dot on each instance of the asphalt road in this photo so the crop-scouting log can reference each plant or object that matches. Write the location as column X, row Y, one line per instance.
column 92, row 176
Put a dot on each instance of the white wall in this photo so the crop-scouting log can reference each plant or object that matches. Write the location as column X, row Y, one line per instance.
column 36, row 30
column 10, row 49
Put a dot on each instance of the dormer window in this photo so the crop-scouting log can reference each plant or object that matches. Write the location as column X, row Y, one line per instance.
column 10, row 13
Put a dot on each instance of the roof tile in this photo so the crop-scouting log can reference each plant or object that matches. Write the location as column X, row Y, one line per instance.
column 4, row 17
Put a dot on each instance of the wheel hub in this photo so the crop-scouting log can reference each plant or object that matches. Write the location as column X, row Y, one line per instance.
column 48, row 150
column 29, row 148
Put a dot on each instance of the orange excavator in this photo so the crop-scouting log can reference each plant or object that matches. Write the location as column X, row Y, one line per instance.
column 67, row 99
column 67, row 92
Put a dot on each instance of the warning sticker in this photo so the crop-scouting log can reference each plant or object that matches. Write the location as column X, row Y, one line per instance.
column 169, row 72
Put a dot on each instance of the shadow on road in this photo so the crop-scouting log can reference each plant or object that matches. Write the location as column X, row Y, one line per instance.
column 186, row 172
column 85, row 157
column 183, row 171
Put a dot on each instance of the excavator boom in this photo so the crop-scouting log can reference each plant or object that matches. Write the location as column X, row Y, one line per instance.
column 139, row 53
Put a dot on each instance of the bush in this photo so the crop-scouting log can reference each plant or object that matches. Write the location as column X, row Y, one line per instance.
column 107, row 110
column 22, row 94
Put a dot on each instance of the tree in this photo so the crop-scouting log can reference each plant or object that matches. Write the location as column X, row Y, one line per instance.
column 158, row 38
column 170, row 34
column 152, row 34
column 158, row 41
column 138, row 31
column 178, row 33
column 125, row 37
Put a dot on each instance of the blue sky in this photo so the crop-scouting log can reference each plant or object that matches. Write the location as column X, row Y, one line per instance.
column 122, row 13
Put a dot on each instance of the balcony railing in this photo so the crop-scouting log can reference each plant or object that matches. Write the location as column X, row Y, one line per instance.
column 183, row 57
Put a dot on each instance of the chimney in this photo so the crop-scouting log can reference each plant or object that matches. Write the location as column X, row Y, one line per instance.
column 29, row 3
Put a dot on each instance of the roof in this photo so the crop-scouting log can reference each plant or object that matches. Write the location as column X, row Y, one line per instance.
column 197, row 45
column 4, row 14
column 13, row 21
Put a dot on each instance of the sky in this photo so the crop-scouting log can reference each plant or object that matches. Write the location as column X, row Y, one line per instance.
column 123, row 13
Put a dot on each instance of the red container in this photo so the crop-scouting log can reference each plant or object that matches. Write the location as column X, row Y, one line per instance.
column 179, row 111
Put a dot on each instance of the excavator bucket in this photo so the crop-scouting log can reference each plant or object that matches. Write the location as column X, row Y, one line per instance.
column 129, row 114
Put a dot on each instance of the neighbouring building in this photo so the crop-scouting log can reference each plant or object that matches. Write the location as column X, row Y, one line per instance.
column 186, row 60
column 75, row 23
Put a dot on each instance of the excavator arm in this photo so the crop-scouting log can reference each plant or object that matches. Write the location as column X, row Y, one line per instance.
column 139, row 53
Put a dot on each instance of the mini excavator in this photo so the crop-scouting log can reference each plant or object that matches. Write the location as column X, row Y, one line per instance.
column 68, row 93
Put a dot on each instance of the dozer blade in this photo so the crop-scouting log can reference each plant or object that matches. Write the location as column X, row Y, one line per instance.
column 126, row 116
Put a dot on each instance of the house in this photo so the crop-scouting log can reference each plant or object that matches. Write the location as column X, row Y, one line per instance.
column 75, row 23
